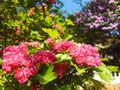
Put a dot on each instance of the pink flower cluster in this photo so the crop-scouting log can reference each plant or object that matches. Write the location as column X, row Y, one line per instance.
column 60, row 69
column 86, row 55
column 43, row 57
column 63, row 46
column 52, row 1
column 22, row 74
column 83, row 55
column 15, row 58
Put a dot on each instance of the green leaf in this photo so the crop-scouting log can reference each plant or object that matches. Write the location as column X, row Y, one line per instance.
column 79, row 70
column 105, row 73
column 52, row 33
column 15, row 1
column 63, row 57
column 113, row 68
column 35, row 35
column 47, row 78
column 69, row 22
column 97, row 84
column 32, row 50
column 68, row 37
column 104, row 59
column 48, row 74
column 64, row 87
column 48, row 19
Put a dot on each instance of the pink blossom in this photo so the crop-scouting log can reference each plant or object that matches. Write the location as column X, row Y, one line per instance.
column 33, row 70
column 111, row 1
column 44, row 5
column 7, row 68
column 57, row 26
column 52, row 15
column 60, row 69
column 14, row 56
column 24, row 44
column 44, row 56
column 86, row 55
column 18, row 30
column 52, row 1
column 22, row 74
column 29, row 62
column 35, row 44
column 63, row 46
column 50, row 41
column 31, row 12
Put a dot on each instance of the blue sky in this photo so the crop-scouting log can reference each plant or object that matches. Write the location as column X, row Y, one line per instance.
column 70, row 6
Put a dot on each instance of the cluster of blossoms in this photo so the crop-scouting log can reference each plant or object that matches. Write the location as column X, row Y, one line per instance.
column 100, row 14
column 63, row 46
column 17, row 60
column 52, row 1
column 44, row 56
column 86, row 55
column 60, row 69
column 83, row 55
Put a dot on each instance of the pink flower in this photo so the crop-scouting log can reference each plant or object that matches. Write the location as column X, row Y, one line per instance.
column 111, row 1
column 50, row 41
column 52, row 1
column 60, row 69
column 52, row 15
column 22, row 74
column 14, row 56
column 63, row 46
column 33, row 70
column 24, row 44
column 57, row 26
column 44, row 5
column 19, row 29
column 29, row 62
column 44, row 56
column 86, row 55
column 31, row 12
column 35, row 44
column 7, row 68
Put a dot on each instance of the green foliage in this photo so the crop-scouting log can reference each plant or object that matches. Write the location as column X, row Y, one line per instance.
column 105, row 73
column 113, row 68
column 105, row 59
column 69, row 22
column 79, row 70
column 52, row 33
column 47, row 75
column 63, row 58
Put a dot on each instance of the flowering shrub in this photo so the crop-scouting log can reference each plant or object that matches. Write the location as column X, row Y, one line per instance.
column 30, row 62
column 62, row 59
